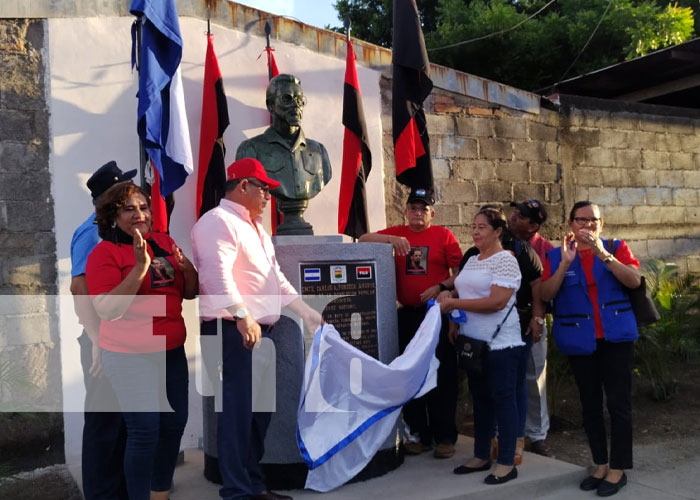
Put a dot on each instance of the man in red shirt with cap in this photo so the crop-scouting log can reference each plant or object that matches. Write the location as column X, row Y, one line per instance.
column 424, row 256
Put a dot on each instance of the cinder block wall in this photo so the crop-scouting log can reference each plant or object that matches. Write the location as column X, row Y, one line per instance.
column 28, row 333
column 638, row 162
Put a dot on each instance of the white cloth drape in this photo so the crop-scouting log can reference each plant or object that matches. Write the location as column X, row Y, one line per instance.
column 350, row 401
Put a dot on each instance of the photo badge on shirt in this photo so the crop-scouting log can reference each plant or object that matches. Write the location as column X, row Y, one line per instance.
column 417, row 261
column 162, row 272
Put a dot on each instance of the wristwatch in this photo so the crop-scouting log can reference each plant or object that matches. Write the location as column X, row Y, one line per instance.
column 442, row 286
column 539, row 321
column 240, row 313
column 609, row 259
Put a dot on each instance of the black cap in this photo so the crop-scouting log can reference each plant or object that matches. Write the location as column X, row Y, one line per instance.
column 532, row 209
column 107, row 176
column 427, row 196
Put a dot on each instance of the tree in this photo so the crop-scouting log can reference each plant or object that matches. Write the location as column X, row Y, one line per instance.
column 371, row 19
column 554, row 45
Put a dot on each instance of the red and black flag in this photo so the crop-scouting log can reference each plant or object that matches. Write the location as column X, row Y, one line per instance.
column 357, row 159
column 410, row 86
column 272, row 71
column 211, row 170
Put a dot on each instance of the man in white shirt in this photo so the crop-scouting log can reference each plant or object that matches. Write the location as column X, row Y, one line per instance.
column 241, row 282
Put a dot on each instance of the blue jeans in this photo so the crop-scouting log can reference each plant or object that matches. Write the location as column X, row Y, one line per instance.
column 494, row 397
column 149, row 387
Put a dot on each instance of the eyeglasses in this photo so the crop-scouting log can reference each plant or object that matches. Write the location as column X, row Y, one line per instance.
column 420, row 209
column 265, row 189
column 584, row 221
column 289, row 99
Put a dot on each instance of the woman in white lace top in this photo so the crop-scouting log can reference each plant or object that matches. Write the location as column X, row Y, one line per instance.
column 486, row 289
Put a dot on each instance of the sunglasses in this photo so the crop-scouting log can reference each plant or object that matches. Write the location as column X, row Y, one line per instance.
column 265, row 189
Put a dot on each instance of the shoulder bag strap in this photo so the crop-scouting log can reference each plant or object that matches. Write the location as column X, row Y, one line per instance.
column 498, row 328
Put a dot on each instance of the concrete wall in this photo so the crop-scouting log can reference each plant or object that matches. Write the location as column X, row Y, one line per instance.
column 639, row 162
column 29, row 346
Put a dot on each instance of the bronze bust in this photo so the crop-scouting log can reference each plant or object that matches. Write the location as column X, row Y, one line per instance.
column 301, row 165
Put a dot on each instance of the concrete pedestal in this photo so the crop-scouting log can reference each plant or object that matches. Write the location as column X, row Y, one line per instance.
column 354, row 285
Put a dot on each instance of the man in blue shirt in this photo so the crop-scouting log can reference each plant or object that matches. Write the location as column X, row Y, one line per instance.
column 104, row 434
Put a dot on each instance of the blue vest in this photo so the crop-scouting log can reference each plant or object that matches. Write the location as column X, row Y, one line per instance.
column 574, row 328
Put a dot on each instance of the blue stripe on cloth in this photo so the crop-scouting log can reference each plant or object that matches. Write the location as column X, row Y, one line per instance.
column 312, row 464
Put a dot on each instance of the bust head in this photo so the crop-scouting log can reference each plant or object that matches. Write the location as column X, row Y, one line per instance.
column 285, row 100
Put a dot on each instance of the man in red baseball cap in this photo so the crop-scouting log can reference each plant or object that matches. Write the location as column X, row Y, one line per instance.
column 241, row 283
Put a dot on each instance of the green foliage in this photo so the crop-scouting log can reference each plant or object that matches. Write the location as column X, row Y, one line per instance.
column 676, row 337
column 538, row 52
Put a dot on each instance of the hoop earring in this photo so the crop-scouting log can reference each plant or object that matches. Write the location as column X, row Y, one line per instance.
column 114, row 224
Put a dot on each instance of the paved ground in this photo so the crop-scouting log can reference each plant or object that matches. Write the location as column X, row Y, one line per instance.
column 426, row 478
column 664, row 471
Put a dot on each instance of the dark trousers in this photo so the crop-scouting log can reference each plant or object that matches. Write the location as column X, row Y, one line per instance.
column 240, row 430
column 608, row 370
column 104, row 435
column 432, row 416
column 495, row 404
column 521, row 387
column 152, row 392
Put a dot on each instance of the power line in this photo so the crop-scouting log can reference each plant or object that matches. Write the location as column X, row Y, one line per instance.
column 573, row 63
column 493, row 34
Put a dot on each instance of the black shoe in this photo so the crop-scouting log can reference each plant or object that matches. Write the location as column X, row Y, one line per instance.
column 541, row 448
column 606, row 488
column 491, row 479
column 590, row 483
column 464, row 469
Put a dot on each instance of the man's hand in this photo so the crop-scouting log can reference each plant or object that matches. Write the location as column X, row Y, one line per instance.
column 250, row 331
column 430, row 293
column 534, row 329
column 401, row 245
column 96, row 368
column 312, row 320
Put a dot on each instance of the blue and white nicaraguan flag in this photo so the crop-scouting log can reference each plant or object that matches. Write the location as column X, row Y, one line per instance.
column 162, row 121
column 350, row 401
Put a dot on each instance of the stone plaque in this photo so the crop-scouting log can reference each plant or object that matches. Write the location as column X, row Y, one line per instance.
column 354, row 314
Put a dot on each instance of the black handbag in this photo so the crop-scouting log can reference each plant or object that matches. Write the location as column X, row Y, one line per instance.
column 640, row 299
column 471, row 353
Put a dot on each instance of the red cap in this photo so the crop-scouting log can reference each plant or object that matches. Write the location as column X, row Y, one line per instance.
column 247, row 168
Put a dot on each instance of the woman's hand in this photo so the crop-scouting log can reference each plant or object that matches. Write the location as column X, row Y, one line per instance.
column 452, row 332
column 182, row 261
column 568, row 249
column 446, row 304
column 595, row 243
column 141, row 251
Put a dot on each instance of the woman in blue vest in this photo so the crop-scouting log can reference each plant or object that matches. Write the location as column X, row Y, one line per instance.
column 595, row 326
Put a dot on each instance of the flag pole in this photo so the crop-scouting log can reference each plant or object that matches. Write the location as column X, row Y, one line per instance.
column 268, row 30
column 142, row 152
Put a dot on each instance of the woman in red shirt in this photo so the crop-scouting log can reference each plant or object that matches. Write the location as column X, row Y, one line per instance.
column 142, row 334
column 595, row 326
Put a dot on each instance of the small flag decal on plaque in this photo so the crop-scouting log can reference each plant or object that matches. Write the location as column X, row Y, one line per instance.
column 363, row 272
column 312, row 274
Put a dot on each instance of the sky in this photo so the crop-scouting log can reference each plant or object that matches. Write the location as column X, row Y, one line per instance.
column 317, row 13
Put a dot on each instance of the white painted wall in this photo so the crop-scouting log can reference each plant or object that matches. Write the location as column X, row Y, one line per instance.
column 93, row 120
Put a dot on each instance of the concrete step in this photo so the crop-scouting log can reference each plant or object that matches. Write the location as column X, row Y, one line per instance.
column 420, row 477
